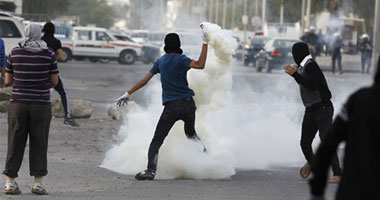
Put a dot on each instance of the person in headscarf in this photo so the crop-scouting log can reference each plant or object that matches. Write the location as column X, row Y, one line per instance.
column 319, row 110
column 33, row 42
column 176, row 96
column 55, row 44
column 357, row 124
column 32, row 70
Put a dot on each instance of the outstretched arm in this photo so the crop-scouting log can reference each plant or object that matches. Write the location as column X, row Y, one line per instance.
column 141, row 83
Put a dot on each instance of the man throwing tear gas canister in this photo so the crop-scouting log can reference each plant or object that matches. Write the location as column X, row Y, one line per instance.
column 319, row 109
column 176, row 96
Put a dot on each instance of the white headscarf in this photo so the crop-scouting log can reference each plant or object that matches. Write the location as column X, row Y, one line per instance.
column 33, row 41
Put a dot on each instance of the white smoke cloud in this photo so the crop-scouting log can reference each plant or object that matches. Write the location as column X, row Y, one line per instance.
column 245, row 123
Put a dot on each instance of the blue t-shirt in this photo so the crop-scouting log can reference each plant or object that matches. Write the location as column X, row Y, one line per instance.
column 173, row 69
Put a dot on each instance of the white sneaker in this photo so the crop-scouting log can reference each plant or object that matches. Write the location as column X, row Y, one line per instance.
column 12, row 188
column 39, row 189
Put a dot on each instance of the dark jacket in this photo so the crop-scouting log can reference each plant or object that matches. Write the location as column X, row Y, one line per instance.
column 48, row 37
column 311, row 39
column 358, row 126
column 365, row 47
column 337, row 46
column 311, row 79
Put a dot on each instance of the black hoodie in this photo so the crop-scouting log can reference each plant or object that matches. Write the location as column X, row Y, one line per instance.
column 357, row 125
column 49, row 38
column 313, row 85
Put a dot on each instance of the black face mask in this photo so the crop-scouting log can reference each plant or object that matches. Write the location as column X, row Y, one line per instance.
column 300, row 50
column 49, row 28
column 172, row 43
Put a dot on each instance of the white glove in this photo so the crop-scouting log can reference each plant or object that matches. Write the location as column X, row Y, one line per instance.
column 204, row 34
column 121, row 101
column 317, row 197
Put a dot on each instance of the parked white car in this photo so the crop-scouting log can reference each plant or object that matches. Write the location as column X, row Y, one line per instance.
column 11, row 31
column 98, row 43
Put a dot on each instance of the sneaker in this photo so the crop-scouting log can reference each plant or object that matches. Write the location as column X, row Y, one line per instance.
column 12, row 188
column 145, row 175
column 71, row 121
column 39, row 189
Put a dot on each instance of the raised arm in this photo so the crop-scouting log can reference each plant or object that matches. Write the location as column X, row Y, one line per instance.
column 310, row 80
column 200, row 63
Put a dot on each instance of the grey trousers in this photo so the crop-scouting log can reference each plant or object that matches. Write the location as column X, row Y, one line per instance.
column 25, row 120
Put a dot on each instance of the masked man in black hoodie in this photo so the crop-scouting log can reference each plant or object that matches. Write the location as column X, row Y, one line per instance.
column 358, row 125
column 55, row 44
column 319, row 110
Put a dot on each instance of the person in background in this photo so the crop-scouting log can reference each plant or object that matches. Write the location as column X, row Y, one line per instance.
column 319, row 110
column 55, row 44
column 320, row 43
column 177, row 97
column 336, row 56
column 358, row 126
column 3, row 60
column 365, row 47
column 328, row 39
column 32, row 70
column 306, row 32
column 312, row 40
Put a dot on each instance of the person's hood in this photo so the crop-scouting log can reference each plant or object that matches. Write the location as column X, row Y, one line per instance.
column 33, row 41
column 300, row 50
column 377, row 76
column 172, row 43
column 49, row 28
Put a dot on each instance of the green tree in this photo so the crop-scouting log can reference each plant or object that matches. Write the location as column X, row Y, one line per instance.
column 96, row 12
column 44, row 9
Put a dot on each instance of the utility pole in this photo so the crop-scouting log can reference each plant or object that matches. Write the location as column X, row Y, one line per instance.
column 282, row 12
column 257, row 8
column 233, row 14
column 217, row 12
column 224, row 14
column 303, row 17
column 210, row 15
column 204, row 17
column 308, row 13
column 245, row 21
column 376, row 36
column 263, row 14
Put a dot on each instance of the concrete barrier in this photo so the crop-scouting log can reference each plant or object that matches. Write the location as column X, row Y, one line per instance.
column 79, row 108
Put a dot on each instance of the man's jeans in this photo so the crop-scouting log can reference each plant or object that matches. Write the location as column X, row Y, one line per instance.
column 318, row 119
column 181, row 109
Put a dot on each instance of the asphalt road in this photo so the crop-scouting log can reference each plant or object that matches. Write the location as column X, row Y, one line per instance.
column 76, row 153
